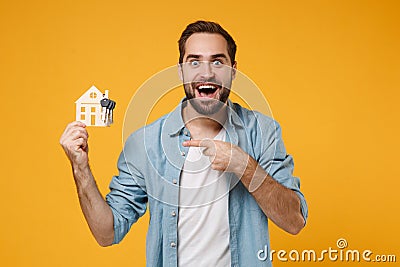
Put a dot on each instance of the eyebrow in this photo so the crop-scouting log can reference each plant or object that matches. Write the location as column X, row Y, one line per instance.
column 220, row 56
column 194, row 56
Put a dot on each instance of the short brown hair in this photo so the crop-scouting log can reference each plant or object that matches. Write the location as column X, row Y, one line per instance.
column 206, row 27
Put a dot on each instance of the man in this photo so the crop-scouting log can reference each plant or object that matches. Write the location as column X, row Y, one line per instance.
column 211, row 172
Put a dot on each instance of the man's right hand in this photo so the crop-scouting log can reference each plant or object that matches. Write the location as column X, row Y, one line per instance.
column 97, row 213
column 74, row 141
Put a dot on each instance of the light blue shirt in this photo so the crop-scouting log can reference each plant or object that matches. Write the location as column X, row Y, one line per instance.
column 149, row 172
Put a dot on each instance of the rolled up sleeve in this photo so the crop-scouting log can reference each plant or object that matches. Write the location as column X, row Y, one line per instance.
column 128, row 197
column 280, row 165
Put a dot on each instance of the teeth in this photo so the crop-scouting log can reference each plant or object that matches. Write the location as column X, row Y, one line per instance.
column 201, row 87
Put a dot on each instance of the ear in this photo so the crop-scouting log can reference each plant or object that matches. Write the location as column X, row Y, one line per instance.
column 180, row 72
column 234, row 68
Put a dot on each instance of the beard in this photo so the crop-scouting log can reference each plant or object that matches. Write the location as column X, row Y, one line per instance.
column 204, row 105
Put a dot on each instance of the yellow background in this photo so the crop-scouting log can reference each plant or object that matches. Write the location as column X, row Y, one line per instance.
column 329, row 69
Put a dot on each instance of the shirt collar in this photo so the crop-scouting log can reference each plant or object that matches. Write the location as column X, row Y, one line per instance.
column 174, row 123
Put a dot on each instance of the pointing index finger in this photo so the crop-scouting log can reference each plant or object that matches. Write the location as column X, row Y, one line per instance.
column 199, row 143
column 196, row 143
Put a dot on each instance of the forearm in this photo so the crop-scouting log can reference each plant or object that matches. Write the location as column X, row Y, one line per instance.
column 280, row 204
column 96, row 211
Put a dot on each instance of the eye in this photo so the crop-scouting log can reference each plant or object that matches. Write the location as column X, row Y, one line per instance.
column 194, row 63
column 217, row 63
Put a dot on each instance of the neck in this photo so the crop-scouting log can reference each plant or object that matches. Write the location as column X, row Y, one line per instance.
column 203, row 126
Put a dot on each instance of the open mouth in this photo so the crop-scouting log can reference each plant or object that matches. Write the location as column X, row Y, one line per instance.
column 207, row 89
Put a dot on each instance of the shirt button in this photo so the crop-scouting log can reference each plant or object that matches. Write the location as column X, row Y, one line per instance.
column 174, row 181
column 173, row 244
column 183, row 153
column 173, row 214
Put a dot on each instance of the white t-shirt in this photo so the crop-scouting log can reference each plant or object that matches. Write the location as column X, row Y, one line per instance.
column 203, row 223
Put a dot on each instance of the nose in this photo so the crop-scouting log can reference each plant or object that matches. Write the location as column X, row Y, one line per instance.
column 206, row 70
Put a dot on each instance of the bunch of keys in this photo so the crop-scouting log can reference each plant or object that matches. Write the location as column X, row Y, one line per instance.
column 107, row 106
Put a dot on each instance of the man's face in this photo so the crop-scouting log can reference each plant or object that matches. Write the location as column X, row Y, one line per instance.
column 207, row 72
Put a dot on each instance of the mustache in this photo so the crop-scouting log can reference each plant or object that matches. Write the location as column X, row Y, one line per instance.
column 212, row 80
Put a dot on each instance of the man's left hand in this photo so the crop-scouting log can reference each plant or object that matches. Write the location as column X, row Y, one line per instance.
column 223, row 156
